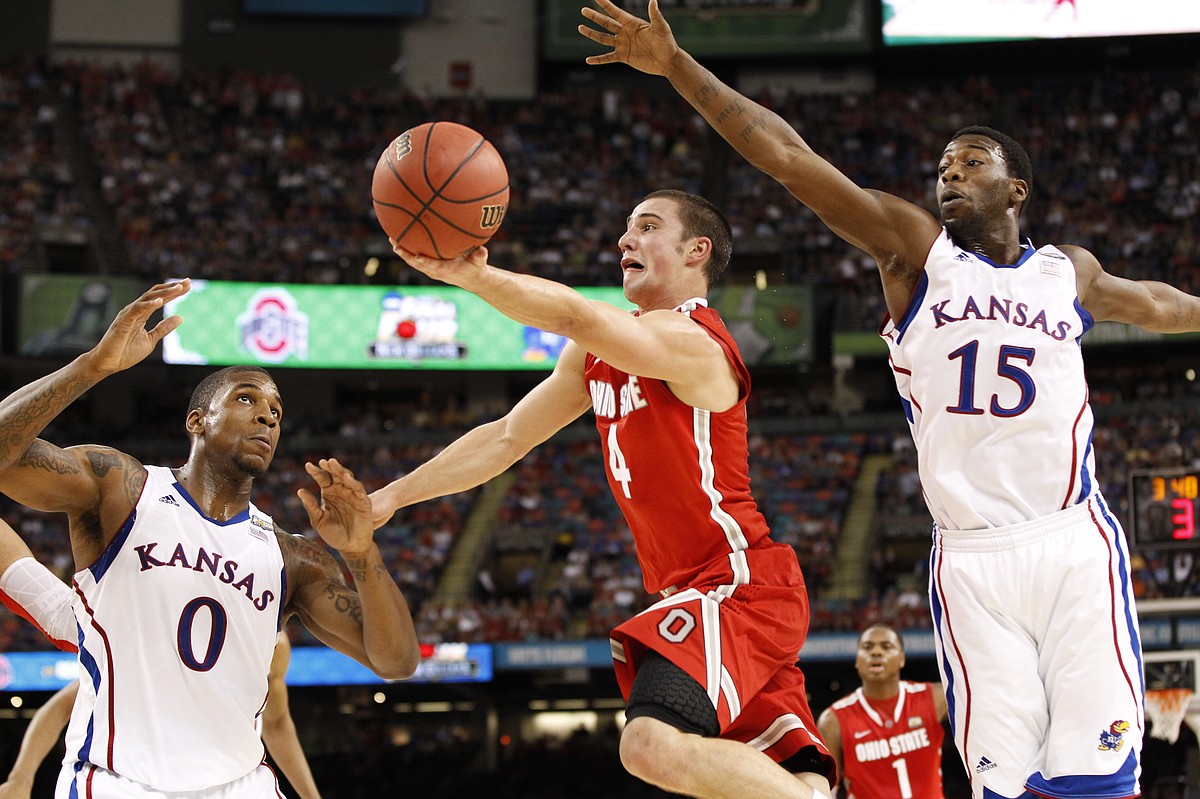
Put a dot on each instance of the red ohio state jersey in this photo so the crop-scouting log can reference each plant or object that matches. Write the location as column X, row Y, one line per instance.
column 680, row 474
column 891, row 752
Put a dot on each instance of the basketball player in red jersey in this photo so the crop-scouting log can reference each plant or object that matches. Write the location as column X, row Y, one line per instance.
column 887, row 735
column 716, row 704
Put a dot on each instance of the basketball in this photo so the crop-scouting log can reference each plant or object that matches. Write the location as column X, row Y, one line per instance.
column 440, row 189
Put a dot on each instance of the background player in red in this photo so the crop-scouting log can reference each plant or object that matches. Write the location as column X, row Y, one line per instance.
column 887, row 736
column 715, row 700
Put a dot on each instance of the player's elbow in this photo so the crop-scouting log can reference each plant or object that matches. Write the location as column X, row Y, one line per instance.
column 785, row 159
column 401, row 666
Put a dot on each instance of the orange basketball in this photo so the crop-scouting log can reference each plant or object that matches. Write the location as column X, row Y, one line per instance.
column 440, row 189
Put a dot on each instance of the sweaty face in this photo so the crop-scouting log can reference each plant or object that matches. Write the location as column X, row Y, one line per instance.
column 243, row 420
column 880, row 655
column 973, row 188
column 653, row 250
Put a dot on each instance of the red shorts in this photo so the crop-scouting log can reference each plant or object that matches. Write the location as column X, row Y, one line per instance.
column 740, row 643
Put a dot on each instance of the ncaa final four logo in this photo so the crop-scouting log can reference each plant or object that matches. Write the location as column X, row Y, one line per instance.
column 416, row 327
column 272, row 328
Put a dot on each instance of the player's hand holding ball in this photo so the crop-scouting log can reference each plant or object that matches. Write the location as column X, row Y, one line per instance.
column 446, row 270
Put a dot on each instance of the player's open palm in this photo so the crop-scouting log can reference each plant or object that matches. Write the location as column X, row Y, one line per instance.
column 647, row 46
column 341, row 515
column 127, row 341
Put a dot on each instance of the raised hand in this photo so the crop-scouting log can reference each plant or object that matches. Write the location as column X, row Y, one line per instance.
column 646, row 46
column 342, row 513
column 127, row 341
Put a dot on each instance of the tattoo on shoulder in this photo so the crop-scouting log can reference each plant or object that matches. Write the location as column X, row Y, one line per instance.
column 300, row 552
column 103, row 460
column 48, row 458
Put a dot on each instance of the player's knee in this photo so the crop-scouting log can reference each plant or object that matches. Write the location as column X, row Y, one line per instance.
column 650, row 750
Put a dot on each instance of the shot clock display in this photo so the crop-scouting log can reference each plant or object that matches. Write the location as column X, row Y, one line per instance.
column 1164, row 511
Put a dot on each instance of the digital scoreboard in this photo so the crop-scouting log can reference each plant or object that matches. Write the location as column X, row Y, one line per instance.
column 1163, row 504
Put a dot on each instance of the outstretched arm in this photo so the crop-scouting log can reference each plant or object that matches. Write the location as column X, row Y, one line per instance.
column 278, row 729
column 1149, row 304
column 371, row 623
column 661, row 344
column 490, row 449
column 41, row 735
column 895, row 232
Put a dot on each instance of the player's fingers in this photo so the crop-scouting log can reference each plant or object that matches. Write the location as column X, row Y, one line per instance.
column 157, row 295
column 603, row 20
column 340, row 473
column 606, row 39
column 654, row 13
column 308, row 501
column 320, row 475
column 160, row 331
column 607, row 58
column 612, row 9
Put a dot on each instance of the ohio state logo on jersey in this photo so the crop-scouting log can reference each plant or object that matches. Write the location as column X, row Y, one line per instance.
column 605, row 398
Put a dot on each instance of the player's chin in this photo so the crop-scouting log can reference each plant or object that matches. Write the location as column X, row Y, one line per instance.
column 254, row 466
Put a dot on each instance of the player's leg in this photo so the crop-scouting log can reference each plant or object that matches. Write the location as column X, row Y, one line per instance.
column 1091, row 656
column 989, row 666
column 669, row 741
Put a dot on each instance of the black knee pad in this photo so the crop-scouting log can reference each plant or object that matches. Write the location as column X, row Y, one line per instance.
column 663, row 691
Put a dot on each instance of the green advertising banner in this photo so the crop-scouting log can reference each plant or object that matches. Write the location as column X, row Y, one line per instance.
column 728, row 28
column 429, row 327
column 355, row 327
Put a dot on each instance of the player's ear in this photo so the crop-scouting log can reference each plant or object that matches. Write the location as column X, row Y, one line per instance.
column 701, row 249
column 1018, row 190
column 195, row 422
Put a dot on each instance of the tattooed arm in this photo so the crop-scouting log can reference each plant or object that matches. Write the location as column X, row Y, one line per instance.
column 372, row 624
column 94, row 485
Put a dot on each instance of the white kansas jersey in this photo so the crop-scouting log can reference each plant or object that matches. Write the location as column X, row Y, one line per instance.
column 177, row 620
column 988, row 364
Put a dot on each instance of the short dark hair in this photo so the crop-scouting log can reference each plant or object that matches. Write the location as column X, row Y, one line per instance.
column 701, row 218
column 203, row 395
column 1015, row 158
column 889, row 628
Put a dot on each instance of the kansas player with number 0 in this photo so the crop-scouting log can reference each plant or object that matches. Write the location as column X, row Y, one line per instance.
column 182, row 584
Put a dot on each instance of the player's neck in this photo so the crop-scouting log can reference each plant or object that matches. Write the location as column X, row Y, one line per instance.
column 881, row 692
column 998, row 246
column 217, row 498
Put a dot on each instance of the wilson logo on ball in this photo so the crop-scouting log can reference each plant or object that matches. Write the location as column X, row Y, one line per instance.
column 403, row 145
column 491, row 216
